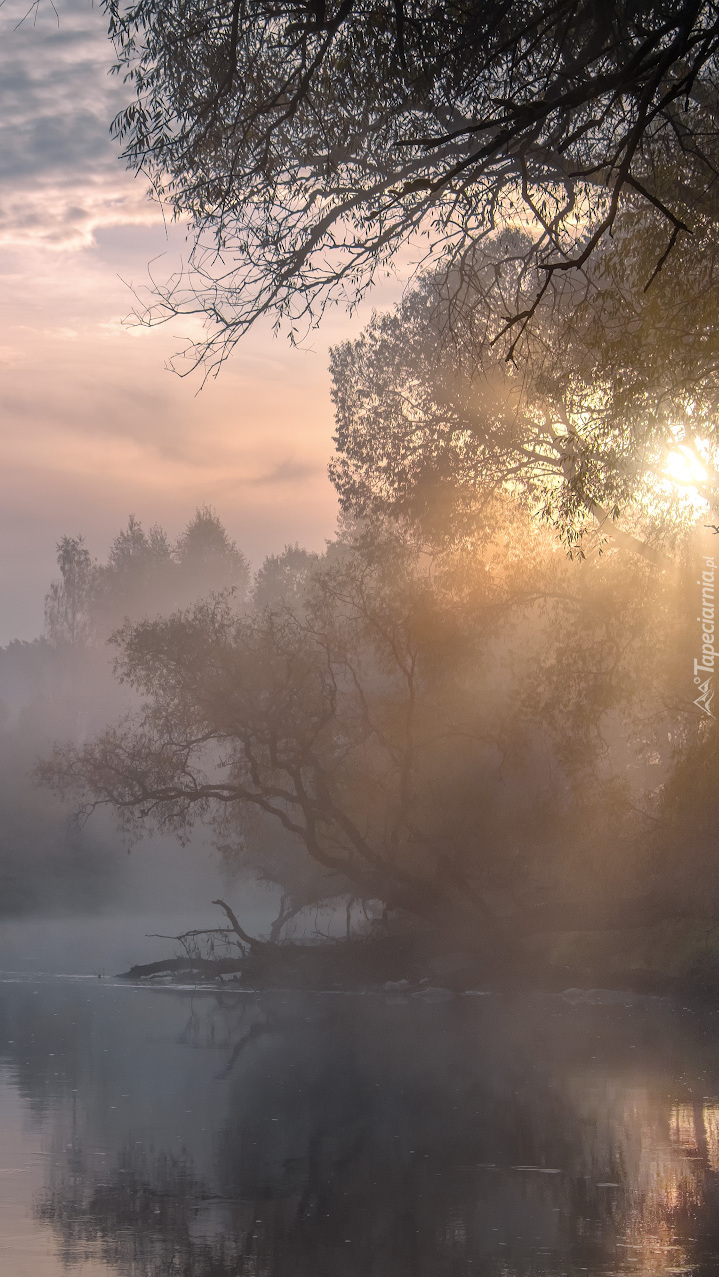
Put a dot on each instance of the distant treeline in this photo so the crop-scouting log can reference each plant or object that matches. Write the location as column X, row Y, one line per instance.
column 61, row 687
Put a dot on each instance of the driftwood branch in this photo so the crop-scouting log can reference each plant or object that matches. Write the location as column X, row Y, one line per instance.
column 238, row 930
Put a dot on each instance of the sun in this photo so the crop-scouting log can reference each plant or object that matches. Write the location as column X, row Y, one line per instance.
column 683, row 467
column 685, row 474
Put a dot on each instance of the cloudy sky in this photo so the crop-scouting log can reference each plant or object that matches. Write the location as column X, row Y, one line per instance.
column 93, row 426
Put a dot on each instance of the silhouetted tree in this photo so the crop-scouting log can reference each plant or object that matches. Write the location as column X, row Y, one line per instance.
column 284, row 578
column 208, row 560
column 136, row 578
column 613, row 390
column 308, row 142
column 68, row 602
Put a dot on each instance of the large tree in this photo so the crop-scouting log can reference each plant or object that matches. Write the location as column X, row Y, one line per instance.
column 610, row 423
column 430, row 731
column 308, row 142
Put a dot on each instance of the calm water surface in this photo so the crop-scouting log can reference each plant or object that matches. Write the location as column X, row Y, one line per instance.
column 159, row 1133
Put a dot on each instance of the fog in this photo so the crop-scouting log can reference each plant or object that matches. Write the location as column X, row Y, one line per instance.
column 79, row 898
column 359, row 904
column 477, row 749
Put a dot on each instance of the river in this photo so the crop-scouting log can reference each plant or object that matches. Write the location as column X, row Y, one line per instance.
column 157, row 1132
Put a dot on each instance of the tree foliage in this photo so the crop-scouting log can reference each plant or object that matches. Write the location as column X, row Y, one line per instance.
column 68, row 601
column 610, row 423
column 430, row 731
column 308, row 143
column 284, row 578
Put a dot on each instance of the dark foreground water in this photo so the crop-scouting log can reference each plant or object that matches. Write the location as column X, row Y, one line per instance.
column 160, row 1133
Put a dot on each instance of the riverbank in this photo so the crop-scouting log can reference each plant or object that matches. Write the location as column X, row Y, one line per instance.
column 676, row 959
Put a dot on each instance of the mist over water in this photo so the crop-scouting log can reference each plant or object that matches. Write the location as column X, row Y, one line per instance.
column 158, row 888
column 112, row 942
column 151, row 1132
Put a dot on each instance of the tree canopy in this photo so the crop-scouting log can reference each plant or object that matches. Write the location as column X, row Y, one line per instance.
column 429, row 731
column 609, row 423
column 308, row 143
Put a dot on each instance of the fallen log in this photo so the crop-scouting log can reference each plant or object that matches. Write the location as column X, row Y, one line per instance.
column 179, row 966
column 347, row 964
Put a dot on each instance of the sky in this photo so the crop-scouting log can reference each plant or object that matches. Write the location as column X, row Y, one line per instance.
column 93, row 425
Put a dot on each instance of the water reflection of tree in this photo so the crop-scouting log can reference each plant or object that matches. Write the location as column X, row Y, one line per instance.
column 143, row 1220
column 348, row 1135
